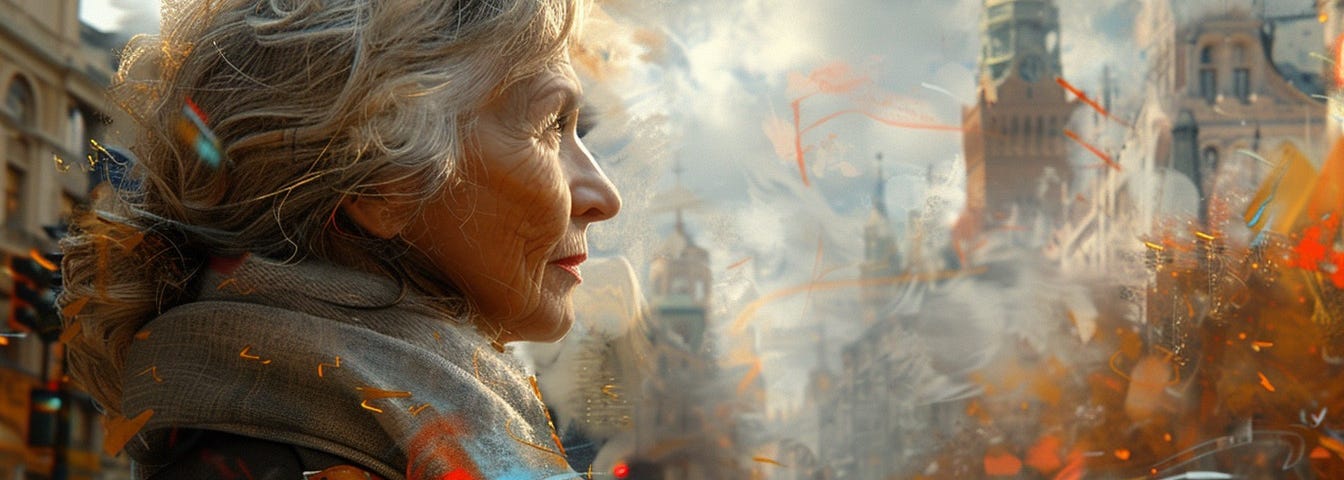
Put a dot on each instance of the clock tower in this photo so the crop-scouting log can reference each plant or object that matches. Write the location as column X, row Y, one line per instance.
column 1017, row 168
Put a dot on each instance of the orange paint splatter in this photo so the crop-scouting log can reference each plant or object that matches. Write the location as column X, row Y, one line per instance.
column 71, row 330
column 119, row 430
column 1044, row 456
column 1122, row 454
column 1095, row 151
column 1002, row 465
column 72, row 310
column 142, row 335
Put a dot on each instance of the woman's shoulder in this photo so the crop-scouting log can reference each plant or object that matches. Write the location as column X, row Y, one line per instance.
column 207, row 454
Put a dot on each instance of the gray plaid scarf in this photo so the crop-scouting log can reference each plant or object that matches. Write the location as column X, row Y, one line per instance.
column 312, row 355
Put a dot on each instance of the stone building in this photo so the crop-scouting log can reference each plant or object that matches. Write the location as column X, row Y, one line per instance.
column 53, row 72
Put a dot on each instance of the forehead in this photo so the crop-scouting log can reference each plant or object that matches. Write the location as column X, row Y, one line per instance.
column 557, row 79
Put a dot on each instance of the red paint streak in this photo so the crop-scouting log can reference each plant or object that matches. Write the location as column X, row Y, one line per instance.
column 739, row 263
column 458, row 474
column 439, row 439
column 1095, row 151
column 1083, row 97
column 242, row 467
column 196, row 108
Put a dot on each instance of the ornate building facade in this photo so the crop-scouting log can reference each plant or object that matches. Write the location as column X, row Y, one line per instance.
column 1235, row 110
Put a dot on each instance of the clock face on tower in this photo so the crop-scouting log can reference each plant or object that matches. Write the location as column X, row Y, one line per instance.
column 1030, row 68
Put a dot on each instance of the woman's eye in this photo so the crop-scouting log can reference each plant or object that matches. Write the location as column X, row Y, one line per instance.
column 559, row 123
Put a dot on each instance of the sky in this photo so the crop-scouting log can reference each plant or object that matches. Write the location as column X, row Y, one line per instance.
column 702, row 85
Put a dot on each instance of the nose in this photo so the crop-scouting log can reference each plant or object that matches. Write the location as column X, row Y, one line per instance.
column 593, row 198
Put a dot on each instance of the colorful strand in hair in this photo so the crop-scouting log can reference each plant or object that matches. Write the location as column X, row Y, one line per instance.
column 192, row 131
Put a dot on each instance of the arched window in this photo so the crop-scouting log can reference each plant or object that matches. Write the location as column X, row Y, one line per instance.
column 19, row 102
column 1206, row 55
column 1241, row 74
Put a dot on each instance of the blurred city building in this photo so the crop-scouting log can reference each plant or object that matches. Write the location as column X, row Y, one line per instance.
column 644, row 378
column 1220, row 105
column 1017, row 167
column 53, row 72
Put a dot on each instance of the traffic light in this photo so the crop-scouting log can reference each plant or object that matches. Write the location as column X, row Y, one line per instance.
column 44, row 416
column 32, row 302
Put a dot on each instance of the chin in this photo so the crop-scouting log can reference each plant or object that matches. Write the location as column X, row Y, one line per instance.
column 546, row 326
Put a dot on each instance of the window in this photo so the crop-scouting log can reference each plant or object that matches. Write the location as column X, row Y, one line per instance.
column 1206, row 55
column 13, row 198
column 1241, row 84
column 19, row 102
column 1208, row 84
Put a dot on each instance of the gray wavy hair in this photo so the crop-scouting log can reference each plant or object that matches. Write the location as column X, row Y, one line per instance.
column 312, row 101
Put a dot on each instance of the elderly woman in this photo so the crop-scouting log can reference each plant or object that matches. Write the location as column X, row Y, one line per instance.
column 345, row 210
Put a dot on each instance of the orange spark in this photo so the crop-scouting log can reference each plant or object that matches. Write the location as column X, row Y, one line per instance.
column 1095, row 151
column 41, row 260
column 767, row 460
column 154, row 373
column 332, row 365
column 1264, row 382
column 417, row 409
column 1122, row 454
column 371, row 408
column 1257, row 345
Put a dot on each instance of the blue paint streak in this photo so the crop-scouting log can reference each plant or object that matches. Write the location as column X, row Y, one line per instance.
column 1260, row 211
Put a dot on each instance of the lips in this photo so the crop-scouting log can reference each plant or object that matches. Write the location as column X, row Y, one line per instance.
column 571, row 264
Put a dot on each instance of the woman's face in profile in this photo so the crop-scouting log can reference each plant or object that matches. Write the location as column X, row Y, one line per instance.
column 511, row 233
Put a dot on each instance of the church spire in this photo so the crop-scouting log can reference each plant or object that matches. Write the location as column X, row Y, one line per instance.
column 880, row 190
column 677, row 170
